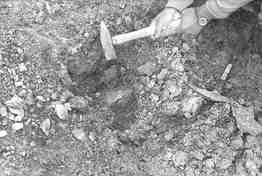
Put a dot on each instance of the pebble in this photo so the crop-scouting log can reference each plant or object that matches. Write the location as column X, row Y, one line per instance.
column 17, row 126
column 237, row 142
column 210, row 163
column 174, row 88
column 191, row 105
column 169, row 135
column 16, row 118
column 3, row 133
column 162, row 74
column 3, row 111
column 45, row 126
column 170, row 107
column 15, row 102
column 177, row 65
column 61, row 111
column 148, row 68
column 40, row 98
column 78, row 102
column 180, row 158
column 113, row 96
column 154, row 97
column 22, row 67
column 186, row 47
column 79, row 134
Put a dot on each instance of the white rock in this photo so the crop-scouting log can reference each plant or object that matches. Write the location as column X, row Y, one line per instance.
column 174, row 88
column 3, row 111
column 22, row 67
column 169, row 135
column 162, row 74
column 245, row 118
column 3, row 133
column 17, row 112
column 191, row 105
column 61, row 111
column 15, row 102
column 210, row 163
column 78, row 102
column 170, row 107
column 79, row 134
column 148, row 68
column 17, row 126
column 177, row 65
column 186, row 47
column 45, row 126
column 16, row 106
column 180, row 158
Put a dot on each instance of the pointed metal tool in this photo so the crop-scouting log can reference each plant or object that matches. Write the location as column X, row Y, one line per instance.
column 106, row 42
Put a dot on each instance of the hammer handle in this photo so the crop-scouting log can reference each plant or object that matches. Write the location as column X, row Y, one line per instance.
column 141, row 33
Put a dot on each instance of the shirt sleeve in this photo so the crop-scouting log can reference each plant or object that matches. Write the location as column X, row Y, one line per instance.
column 179, row 4
column 223, row 8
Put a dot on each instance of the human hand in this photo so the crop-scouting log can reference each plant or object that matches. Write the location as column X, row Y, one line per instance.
column 189, row 22
column 162, row 21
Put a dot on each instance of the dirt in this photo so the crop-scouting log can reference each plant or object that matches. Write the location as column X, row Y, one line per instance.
column 83, row 115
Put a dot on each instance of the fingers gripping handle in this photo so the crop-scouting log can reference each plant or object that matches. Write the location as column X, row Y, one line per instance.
column 122, row 38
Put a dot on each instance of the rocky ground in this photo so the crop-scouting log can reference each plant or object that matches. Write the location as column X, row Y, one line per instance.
column 180, row 105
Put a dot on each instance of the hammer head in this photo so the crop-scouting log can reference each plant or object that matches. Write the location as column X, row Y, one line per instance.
column 106, row 42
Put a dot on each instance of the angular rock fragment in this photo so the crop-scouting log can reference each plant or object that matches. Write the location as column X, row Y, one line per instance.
column 147, row 69
column 79, row 134
column 61, row 111
column 45, row 126
column 245, row 118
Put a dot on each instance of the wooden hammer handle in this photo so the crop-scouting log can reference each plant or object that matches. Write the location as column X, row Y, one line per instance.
column 141, row 33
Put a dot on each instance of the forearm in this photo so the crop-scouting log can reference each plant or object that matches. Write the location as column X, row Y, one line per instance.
column 223, row 8
column 179, row 4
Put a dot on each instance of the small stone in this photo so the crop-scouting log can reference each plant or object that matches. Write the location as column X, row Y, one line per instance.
column 22, row 67
column 45, row 126
column 177, row 65
column 237, row 142
column 251, row 165
column 113, row 96
column 224, row 163
column 78, row 102
column 15, row 102
column 40, row 18
column 186, row 47
column 61, row 111
column 40, row 98
column 210, row 163
column 245, row 118
column 191, row 105
column 197, row 154
column 147, row 69
column 79, row 134
column 162, row 74
column 18, row 112
column 3, row 133
column 29, row 98
column 170, row 107
column 174, row 88
column 92, row 136
column 154, row 97
column 180, row 158
column 19, row 83
column 169, row 135
column 66, row 95
column 3, row 111
column 17, row 126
